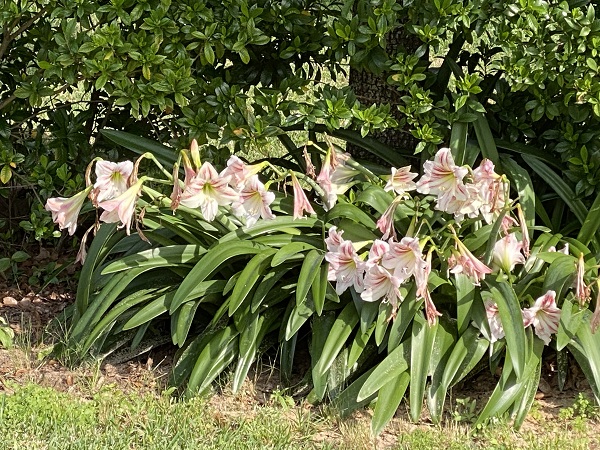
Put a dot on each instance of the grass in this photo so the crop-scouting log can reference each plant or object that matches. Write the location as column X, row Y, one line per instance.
column 38, row 417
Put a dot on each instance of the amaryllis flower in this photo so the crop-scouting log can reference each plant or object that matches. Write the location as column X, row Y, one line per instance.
column 491, row 189
column 493, row 318
column 208, row 190
column 463, row 261
column 66, row 210
column 239, row 172
column 301, row 202
column 254, row 201
column 378, row 250
column 564, row 250
column 345, row 268
column 334, row 239
column 111, row 179
column 463, row 200
column 404, row 258
column 381, row 283
column 582, row 292
column 507, row 253
column 324, row 180
column 386, row 221
column 401, row 181
column 544, row 315
column 441, row 175
column 422, row 271
column 122, row 208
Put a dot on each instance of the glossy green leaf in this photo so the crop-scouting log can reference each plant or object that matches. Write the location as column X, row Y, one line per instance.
column 248, row 278
column 311, row 268
column 319, row 288
column 571, row 316
column 590, row 226
column 486, row 141
column 458, row 141
column 220, row 254
column 352, row 212
column 150, row 311
column 282, row 224
column 291, row 249
column 423, row 337
column 388, row 369
column 388, row 400
column 467, row 352
column 511, row 317
column 465, row 296
column 521, row 182
column 140, row 145
column 443, row 344
column 336, row 340
column 157, row 257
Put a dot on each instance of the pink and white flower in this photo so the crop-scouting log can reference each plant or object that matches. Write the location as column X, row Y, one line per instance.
column 441, row 175
column 111, row 180
column 493, row 318
column 582, row 292
column 401, row 181
column 386, row 222
column 381, row 283
column 404, row 258
column 378, row 250
column 208, row 190
column 544, row 315
column 254, row 201
column 324, row 180
column 301, row 203
column 65, row 211
column 491, row 190
column 507, row 253
column 334, row 239
column 122, row 208
column 463, row 261
column 345, row 268
column 239, row 172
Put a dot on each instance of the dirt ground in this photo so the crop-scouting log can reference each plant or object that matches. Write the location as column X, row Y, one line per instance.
column 28, row 312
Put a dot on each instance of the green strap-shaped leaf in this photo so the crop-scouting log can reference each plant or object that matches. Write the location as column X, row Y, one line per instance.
column 125, row 305
column 383, row 322
column 404, row 316
column 220, row 351
column 388, row 400
column 571, row 316
column 346, row 402
column 443, row 344
column 282, row 224
column 390, row 368
column 556, row 182
column 590, row 226
column 521, row 181
column 266, row 285
column 465, row 296
column 249, row 341
column 310, row 269
column 157, row 257
column 349, row 211
column 248, row 278
column 560, row 275
column 300, row 314
column 102, row 301
column 512, row 388
column 289, row 250
column 336, row 340
column 423, row 337
column 512, row 322
column 102, row 243
column 458, row 141
column 150, row 311
column 359, row 344
column 585, row 346
column 486, row 141
column 319, row 288
column 375, row 197
column 220, row 254
column 467, row 352
column 140, row 145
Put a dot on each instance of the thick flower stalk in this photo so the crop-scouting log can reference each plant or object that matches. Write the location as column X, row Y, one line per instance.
column 65, row 211
column 544, row 315
column 582, row 291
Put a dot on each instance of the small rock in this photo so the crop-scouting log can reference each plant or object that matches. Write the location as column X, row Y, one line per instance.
column 9, row 301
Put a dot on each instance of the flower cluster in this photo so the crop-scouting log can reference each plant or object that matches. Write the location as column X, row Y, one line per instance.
column 544, row 315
